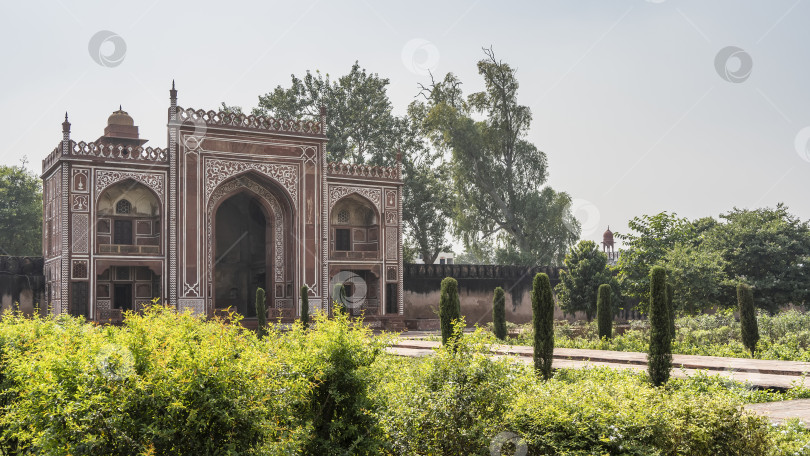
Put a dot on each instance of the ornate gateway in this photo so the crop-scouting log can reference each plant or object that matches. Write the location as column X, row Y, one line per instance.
column 234, row 203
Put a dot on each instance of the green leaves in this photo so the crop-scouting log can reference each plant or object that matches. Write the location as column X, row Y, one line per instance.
column 585, row 270
column 20, row 212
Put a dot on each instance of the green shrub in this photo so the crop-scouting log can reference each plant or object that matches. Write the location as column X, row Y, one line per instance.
column 450, row 403
column 305, row 306
column 604, row 312
column 749, row 333
column 499, row 314
column 671, row 310
column 261, row 313
column 339, row 299
column 659, row 355
column 449, row 308
column 543, row 324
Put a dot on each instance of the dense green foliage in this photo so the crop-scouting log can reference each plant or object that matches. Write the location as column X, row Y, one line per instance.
column 653, row 236
column 659, row 355
column 499, row 313
column 20, row 211
column 261, row 313
column 304, row 307
column 671, row 310
column 749, row 333
column 449, row 309
column 585, row 270
column 604, row 312
column 543, row 324
column 175, row 384
column 501, row 205
column 768, row 249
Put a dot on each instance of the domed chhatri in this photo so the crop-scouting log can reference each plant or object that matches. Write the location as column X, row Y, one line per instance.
column 121, row 129
column 120, row 117
column 607, row 238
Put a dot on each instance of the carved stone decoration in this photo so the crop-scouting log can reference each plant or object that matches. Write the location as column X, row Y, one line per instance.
column 278, row 222
column 309, row 154
column 217, row 171
column 80, row 180
column 336, row 192
column 80, row 203
column 391, row 274
column 105, row 178
column 390, row 199
column 103, row 307
column 195, row 306
column 79, row 269
column 391, row 218
column 391, row 244
column 81, row 233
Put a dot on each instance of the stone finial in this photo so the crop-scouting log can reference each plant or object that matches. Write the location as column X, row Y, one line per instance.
column 173, row 93
column 66, row 124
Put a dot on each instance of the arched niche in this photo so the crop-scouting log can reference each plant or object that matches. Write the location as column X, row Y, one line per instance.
column 128, row 219
column 354, row 229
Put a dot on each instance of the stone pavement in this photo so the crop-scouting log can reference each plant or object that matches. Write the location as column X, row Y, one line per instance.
column 758, row 373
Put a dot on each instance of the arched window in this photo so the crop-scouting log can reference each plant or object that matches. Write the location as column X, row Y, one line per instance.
column 123, row 207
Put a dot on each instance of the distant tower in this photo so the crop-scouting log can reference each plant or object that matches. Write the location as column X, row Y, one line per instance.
column 608, row 246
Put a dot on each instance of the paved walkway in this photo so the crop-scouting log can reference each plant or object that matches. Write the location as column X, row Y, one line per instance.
column 758, row 373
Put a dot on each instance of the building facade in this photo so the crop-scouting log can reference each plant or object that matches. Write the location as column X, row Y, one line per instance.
column 232, row 204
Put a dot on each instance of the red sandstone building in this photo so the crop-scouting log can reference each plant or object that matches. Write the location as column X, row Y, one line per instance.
column 233, row 203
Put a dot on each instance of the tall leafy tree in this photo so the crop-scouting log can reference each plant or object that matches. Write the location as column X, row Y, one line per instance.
column 768, row 249
column 361, row 128
column 360, row 125
column 501, row 204
column 20, row 211
column 585, row 270
column 697, row 276
column 651, row 238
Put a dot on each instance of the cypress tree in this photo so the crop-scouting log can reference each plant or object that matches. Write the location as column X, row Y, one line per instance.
column 604, row 312
column 543, row 324
column 671, row 310
column 449, row 308
column 305, row 307
column 499, row 314
column 748, row 317
column 659, row 357
column 339, row 299
column 261, row 313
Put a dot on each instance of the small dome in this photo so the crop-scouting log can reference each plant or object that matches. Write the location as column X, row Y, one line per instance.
column 607, row 238
column 120, row 117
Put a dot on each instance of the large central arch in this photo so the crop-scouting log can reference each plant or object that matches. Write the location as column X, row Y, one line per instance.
column 276, row 210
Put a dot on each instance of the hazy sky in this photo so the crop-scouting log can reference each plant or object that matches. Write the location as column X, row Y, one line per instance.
column 641, row 106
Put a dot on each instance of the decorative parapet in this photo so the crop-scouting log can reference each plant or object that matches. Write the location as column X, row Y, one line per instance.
column 209, row 118
column 366, row 171
column 478, row 271
column 109, row 151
